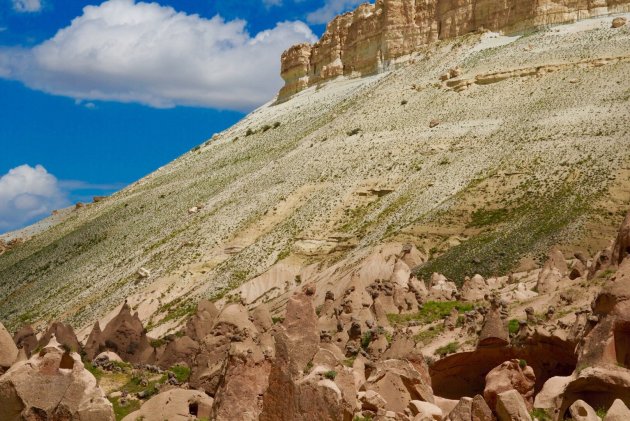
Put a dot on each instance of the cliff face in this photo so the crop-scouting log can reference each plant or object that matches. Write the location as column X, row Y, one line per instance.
column 368, row 39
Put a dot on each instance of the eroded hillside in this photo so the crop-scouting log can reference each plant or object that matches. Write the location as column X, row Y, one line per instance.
column 523, row 146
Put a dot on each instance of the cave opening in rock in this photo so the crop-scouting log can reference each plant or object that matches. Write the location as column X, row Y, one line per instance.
column 66, row 361
column 193, row 408
column 464, row 374
column 621, row 335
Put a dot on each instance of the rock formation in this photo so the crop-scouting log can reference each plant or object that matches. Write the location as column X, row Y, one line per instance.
column 8, row 350
column 52, row 385
column 64, row 334
column 174, row 405
column 26, row 339
column 124, row 335
column 375, row 36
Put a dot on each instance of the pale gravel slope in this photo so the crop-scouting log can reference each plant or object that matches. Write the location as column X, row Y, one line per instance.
column 265, row 192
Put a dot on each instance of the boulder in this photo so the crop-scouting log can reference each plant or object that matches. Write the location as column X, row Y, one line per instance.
column 511, row 407
column 398, row 382
column 372, row 401
column 480, row 410
column 618, row 411
column 510, row 375
column 581, row 411
column 550, row 396
column 52, row 385
column 425, row 411
column 618, row 22
column 8, row 350
column 26, row 339
column 462, row 411
column 174, row 405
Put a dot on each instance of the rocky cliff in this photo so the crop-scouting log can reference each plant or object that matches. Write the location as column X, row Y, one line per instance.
column 374, row 36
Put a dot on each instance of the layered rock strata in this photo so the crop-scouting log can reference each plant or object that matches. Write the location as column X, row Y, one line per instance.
column 375, row 36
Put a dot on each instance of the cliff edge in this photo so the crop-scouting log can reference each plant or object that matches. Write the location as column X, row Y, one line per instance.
column 373, row 36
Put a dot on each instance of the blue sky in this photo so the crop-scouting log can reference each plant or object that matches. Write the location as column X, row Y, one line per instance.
column 96, row 94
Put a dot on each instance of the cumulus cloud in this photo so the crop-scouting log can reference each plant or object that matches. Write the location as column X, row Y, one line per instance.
column 151, row 54
column 28, row 193
column 330, row 9
column 27, row 6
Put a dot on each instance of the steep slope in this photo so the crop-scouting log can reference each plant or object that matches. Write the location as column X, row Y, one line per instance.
column 483, row 176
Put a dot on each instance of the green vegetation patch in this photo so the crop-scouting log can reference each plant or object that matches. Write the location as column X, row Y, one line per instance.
column 428, row 335
column 484, row 217
column 430, row 312
column 182, row 373
column 447, row 349
column 529, row 228
column 121, row 411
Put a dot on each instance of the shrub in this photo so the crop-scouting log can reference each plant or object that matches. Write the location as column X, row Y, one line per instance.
column 366, row 339
column 450, row 348
column 276, row 124
column 182, row 372
column 249, row 132
column 330, row 375
column 540, row 414
column 513, row 326
column 403, row 102
column 522, row 363
column 353, row 132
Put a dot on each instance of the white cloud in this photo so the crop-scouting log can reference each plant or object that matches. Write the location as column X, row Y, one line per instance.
column 330, row 9
column 147, row 53
column 27, row 193
column 27, row 6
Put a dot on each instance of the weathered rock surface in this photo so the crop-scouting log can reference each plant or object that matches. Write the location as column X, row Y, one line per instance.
column 64, row 334
column 375, row 36
column 8, row 350
column 508, row 376
column 175, row 405
column 124, row 334
column 511, row 407
column 621, row 248
column 581, row 411
column 555, row 268
column 52, row 385
column 26, row 339
column 618, row 411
